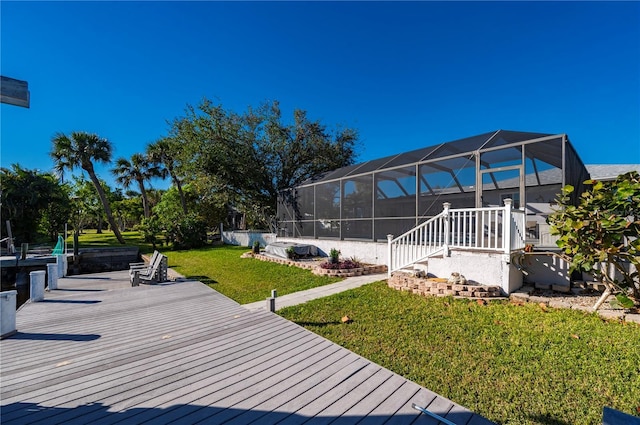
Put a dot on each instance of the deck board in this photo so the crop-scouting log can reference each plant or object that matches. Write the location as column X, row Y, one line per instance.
column 100, row 351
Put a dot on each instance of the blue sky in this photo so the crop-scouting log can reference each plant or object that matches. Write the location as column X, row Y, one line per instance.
column 406, row 75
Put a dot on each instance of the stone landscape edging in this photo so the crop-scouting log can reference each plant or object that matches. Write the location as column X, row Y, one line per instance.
column 315, row 268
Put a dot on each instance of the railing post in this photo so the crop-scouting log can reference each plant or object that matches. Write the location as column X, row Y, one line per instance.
column 506, row 227
column 445, row 246
column 389, row 253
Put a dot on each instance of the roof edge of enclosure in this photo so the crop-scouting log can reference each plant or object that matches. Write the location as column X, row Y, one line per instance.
column 391, row 195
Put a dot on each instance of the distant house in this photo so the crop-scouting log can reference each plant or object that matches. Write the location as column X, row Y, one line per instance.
column 608, row 172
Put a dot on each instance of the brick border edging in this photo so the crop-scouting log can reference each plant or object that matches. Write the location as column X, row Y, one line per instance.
column 360, row 271
column 317, row 270
column 441, row 288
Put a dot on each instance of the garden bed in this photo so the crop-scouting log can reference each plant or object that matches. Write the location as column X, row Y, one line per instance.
column 315, row 265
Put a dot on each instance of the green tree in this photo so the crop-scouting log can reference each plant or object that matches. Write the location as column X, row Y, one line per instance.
column 81, row 149
column 128, row 212
column 85, row 205
column 602, row 233
column 139, row 170
column 26, row 196
column 165, row 153
column 256, row 155
column 57, row 211
column 181, row 230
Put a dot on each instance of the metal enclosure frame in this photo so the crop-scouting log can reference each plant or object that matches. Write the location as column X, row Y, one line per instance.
column 391, row 195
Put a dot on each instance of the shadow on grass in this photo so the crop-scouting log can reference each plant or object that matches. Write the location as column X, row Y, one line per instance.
column 204, row 279
column 318, row 324
column 548, row 420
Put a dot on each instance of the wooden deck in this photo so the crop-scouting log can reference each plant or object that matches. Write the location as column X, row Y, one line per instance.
column 99, row 351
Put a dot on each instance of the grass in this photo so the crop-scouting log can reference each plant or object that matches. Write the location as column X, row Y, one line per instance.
column 512, row 364
column 244, row 280
column 91, row 239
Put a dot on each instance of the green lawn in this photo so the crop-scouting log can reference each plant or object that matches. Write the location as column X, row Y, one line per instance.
column 91, row 239
column 244, row 280
column 512, row 364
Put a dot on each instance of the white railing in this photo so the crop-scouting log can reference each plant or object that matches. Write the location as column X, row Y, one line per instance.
column 499, row 229
column 418, row 243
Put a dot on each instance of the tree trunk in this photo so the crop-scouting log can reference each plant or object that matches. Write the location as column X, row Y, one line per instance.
column 145, row 199
column 75, row 243
column 105, row 204
column 178, row 184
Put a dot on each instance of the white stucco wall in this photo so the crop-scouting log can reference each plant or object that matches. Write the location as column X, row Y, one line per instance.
column 367, row 252
column 247, row 238
column 486, row 268
column 546, row 269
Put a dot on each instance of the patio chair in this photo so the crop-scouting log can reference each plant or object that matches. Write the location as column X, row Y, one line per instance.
column 142, row 265
column 156, row 272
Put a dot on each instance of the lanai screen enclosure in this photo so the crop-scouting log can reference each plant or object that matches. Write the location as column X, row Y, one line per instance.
column 392, row 195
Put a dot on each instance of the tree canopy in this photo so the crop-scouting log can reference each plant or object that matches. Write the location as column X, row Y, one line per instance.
column 251, row 157
column 32, row 201
column 219, row 162
column 81, row 149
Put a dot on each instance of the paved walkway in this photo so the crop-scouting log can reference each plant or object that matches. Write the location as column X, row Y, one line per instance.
column 319, row 292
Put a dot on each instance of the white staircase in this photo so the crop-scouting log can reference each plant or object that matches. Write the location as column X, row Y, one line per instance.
column 497, row 229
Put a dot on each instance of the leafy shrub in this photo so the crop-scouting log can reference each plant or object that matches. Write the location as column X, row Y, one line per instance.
column 189, row 232
column 602, row 232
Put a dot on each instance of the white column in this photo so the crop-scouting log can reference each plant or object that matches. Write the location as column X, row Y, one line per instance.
column 506, row 227
column 7, row 313
column 389, row 254
column 445, row 246
column 60, row 263
column 37, row 285
column 52, row 276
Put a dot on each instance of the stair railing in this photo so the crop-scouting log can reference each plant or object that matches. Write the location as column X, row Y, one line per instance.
column 499, row 229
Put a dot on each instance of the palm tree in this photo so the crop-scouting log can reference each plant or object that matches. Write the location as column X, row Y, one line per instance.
column 164, row 153
column 138, row 170
column 81, row 149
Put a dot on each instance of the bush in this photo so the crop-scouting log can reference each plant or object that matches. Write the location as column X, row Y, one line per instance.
column 602, row 232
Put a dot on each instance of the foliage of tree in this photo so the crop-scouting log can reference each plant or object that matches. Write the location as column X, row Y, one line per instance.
column 27, row 197
column 602, row 233
column 139, row 170
column 81, row 149
column 128, row 212
column 253, row 156
column 87, row 207
column 181, row 230
column 165, row 155
column 57, row 212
